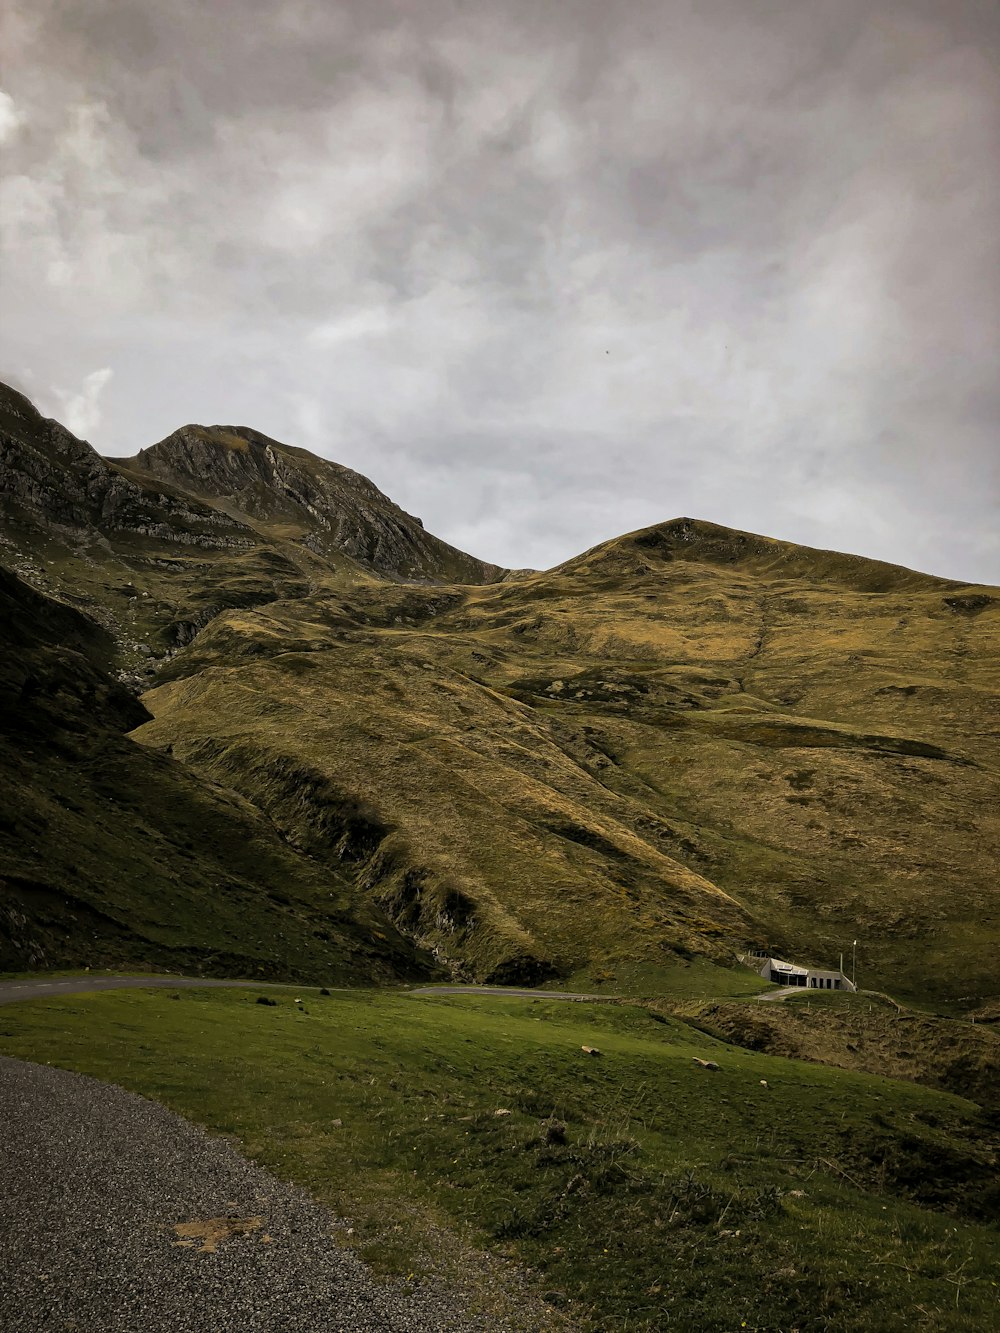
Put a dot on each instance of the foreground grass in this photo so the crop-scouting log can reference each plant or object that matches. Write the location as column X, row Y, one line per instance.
column 642, row 1189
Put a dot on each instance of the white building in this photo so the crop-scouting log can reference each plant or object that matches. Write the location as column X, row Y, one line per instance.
column 792, row 974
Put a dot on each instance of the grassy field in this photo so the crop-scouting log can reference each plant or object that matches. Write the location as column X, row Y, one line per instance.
column 623, row 976
column 643, row 1190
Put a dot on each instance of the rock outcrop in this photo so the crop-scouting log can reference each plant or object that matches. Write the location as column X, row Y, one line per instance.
column 51, row 480
column 329, row 508
column 153, row 547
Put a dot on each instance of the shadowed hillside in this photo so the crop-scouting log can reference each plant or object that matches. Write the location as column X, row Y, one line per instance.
column 112, row 854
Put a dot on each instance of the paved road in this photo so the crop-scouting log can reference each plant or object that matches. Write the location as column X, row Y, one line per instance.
column 790, row 992
column 37, row 987
column 504, row 992
column 94, row 1184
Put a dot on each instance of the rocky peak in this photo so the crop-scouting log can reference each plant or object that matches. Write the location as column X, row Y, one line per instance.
column 52, row 481
column 330, row 508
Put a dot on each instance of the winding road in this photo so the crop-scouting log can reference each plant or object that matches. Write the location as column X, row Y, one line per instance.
column 782, row 993
column 503, row 992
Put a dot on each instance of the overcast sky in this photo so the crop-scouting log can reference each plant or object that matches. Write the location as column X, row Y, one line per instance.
column 545, row 270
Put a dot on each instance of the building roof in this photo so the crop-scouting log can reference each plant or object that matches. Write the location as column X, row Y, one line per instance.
column 790, row 969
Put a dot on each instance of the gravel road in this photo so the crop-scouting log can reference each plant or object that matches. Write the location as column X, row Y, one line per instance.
column 93, row 1184
column 785, row 993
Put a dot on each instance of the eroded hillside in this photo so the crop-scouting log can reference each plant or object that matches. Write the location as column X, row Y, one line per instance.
column 112, row 854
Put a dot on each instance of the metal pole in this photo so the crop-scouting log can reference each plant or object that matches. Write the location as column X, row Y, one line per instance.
column 854, row 966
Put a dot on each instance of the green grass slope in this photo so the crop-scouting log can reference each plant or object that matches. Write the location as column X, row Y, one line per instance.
column 642, row 1190
column 867, row 1033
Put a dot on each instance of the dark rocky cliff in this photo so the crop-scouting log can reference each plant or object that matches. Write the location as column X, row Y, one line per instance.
column 51, row 480
column 331, row 509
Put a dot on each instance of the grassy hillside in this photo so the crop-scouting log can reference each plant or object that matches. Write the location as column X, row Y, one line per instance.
column 684, row 740
column 642, row 1190
column 678, row 741
column 115, row 855
column 867, row 1033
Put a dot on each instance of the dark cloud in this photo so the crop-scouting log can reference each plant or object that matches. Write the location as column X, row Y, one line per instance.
column 545, row 272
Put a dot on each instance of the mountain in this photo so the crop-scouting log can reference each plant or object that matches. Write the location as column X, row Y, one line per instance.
column 156, row 545
column 115, row 855
column 636, row 756
column 682, row 741
column 289, row 494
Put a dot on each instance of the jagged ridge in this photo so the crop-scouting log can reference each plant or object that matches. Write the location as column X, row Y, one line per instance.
column 327, row 506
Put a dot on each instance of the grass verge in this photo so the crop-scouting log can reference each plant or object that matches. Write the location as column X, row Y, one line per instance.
column 643, row 1190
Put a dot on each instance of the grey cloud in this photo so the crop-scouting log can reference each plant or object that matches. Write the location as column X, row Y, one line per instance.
column 544, row 272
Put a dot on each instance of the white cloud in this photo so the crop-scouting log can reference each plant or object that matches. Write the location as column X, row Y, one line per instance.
column 10, row 118
column 81, row 411
column 373, row 322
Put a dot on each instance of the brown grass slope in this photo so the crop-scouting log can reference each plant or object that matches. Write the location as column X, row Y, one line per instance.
column 686, row 737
